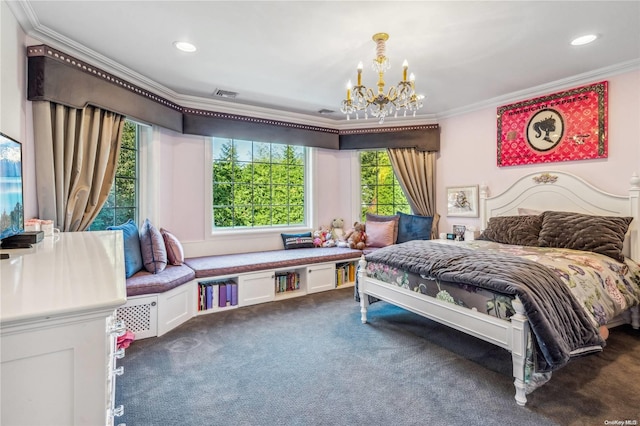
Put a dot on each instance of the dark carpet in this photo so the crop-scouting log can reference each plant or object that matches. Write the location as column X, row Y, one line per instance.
column 310, row 361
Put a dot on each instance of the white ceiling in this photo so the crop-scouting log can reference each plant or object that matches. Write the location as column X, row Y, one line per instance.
column 296, row 56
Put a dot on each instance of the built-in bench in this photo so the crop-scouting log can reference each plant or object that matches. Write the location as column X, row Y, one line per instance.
column 233, row 264
column 143, row 282
column 160, row 302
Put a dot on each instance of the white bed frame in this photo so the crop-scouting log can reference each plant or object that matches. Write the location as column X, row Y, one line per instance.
column 540, row 191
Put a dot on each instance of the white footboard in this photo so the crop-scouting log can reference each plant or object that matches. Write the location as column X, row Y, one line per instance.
column 511, row 335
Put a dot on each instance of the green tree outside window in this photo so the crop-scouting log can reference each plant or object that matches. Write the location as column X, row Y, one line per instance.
column 381, row 192
column 122, row 201
column 257, row 184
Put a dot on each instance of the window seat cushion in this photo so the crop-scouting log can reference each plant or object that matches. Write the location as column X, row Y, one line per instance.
column 231, row 264
column 144, row 282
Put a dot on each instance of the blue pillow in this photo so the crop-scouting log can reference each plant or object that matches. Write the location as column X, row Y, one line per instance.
column 295, row 241
column 413, row 227
column 132, row 253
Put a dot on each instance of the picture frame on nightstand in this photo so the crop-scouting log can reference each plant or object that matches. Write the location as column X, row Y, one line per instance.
column 462, row 201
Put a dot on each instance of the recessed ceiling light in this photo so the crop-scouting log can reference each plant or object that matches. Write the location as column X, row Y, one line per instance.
column 579, row 41
column 184, row 46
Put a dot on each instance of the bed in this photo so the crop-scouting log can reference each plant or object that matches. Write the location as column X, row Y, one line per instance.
column 518, row 296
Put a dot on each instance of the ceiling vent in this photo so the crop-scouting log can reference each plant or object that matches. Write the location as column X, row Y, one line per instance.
column 225, row 93
column 326, row 111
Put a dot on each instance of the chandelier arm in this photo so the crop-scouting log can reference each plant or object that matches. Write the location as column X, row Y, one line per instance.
column 379, row 105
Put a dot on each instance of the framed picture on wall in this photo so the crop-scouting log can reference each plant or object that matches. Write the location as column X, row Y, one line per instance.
column 462, row 201
column 565, row 126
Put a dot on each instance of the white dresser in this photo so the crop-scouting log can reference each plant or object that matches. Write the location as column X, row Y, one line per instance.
column 57, row 330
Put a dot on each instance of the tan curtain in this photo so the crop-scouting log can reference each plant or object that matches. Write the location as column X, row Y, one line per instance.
column 76, row 153
column 416, row 173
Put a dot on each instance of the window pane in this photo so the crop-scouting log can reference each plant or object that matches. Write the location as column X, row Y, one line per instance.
column 243, row 215
column 381, row 193
column 243, row 150
column 261, row 152
column 278, row 153
column 105, row 218
column 262, row 216
column 279, row 174
column 223, row 194
column 296, row 175
column 125, row 192
column 222, row 149
column 124, row 214
column 127, row 163
column 223, row 216
column 222, row 171
column 129, row 136
column 260, row 181
column 296, row 215
column 122, row 201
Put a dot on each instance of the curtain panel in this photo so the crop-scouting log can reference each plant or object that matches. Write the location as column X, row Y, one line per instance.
column 76, row 154
column 416, row 173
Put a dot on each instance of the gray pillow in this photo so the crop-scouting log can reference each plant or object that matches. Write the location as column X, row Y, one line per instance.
column 154, row 252
column 516, row 230
column 598, row 234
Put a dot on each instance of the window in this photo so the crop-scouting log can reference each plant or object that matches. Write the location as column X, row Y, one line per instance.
column 257, row 184
column 381, row 192
column 122, row 202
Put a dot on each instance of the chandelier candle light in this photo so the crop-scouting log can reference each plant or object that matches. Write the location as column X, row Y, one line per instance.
column 400, row 98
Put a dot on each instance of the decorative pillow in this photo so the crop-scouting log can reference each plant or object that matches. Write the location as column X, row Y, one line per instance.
column 380, row 234
column 516, row 230
column 154, row 253
column 175, row 252
column 132, row 254
column 378, row 218
column 528, row 212
column 598, row 234
column 413, row 227
column 296, row 241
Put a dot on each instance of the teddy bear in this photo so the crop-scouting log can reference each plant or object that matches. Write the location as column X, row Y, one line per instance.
column 337, row 233
column 356, row 237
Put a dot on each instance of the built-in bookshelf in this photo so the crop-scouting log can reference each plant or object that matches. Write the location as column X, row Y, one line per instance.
column 287, row 281
column 215, row 295
column 228, row 292
column 345, row 273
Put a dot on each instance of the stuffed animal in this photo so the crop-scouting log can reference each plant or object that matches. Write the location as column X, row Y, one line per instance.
column 328, row 238
column 356, row 237
column 318, row 238
column 337, row 233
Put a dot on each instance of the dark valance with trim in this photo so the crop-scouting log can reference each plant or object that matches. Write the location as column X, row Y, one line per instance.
column 422, row 137
column 198, row 122
column 57, row 77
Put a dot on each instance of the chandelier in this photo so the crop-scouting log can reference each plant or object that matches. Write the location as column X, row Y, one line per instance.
column 401, row 97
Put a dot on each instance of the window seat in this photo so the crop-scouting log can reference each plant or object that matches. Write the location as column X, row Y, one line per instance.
column 231, row 264
column 143, row 282
column 157, row 303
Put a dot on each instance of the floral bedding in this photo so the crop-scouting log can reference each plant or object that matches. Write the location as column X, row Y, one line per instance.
column 603, row 286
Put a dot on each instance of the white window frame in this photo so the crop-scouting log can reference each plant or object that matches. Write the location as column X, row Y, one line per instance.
column 310, row 209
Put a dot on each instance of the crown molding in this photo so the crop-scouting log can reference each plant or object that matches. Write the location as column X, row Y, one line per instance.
column 543, row 89
column 28, row 20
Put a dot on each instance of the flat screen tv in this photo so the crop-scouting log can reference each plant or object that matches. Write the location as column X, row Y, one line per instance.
column 11, row 188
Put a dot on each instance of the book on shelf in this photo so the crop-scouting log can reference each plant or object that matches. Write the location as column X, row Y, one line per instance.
column 345, row 273
column 287, row 281
column 217, row 293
